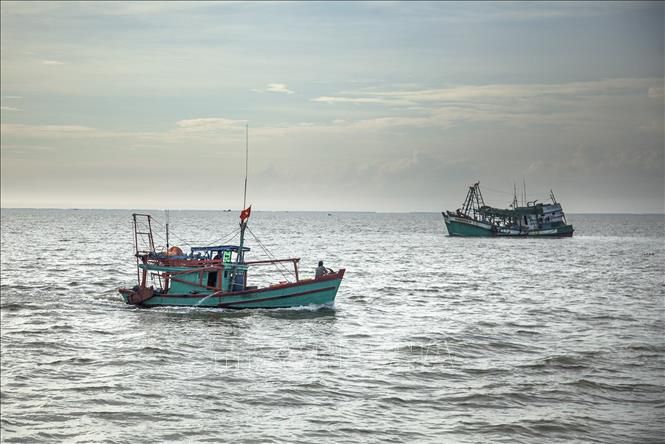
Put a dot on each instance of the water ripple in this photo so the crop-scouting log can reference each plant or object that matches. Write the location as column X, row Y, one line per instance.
column 457, row 340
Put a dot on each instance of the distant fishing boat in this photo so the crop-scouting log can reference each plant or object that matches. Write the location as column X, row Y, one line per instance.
column 475, row 219
column 217, row 276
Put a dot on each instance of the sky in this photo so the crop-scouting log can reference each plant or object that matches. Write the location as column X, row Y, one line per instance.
column 350, row 106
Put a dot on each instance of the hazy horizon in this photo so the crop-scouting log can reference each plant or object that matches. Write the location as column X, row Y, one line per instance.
column 361, row 106
column 237, row 210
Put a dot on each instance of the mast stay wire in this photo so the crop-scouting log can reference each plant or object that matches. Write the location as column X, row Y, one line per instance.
column 496, row 191
column 226, row 238
column 278, row 265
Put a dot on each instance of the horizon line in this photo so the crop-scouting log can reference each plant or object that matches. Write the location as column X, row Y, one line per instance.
column 294, row 211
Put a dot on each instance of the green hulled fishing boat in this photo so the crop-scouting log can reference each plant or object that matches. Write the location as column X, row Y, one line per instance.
column 475, row 219
column 217, row 276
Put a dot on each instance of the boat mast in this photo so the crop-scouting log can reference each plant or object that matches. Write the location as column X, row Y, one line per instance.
column 514, row 203
column 523, row 192
column 243, row 223
column 167, row 229
column 244, row 198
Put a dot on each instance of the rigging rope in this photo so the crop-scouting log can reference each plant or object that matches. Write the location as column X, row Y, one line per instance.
column 226, row 238
column 496, row 191
column 271, row 256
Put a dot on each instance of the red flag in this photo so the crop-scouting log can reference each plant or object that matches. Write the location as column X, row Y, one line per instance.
column 244, row 214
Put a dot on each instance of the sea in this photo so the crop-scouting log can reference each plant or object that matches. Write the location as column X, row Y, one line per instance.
column 432, row 339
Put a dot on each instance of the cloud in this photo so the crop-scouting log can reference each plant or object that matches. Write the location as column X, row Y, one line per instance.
column 17, row 127
column 375, row 100
column 571, row 105
column 275, row 88
column 209, row 124
column 494, row 92
column 21, row 130
column 9, row 108
column 390, row 122
column 401, row 165
column 656, row 92
column 514, row 104
column 22, row 149
column 193, row 131
column 278, row 88
column 488, row 12
column 128, row 9
column 52, row 62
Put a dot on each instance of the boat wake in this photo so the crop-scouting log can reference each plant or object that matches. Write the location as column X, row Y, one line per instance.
column 310, row 307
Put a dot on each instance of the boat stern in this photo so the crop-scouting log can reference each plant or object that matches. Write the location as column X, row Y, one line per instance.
column 136, row 295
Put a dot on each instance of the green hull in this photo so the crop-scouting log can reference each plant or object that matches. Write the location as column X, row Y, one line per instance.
column 475, row 219
column 321, row 291
column 472, row 228
column 467, row 230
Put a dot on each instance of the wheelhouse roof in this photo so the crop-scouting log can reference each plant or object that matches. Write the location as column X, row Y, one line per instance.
column 519, row 211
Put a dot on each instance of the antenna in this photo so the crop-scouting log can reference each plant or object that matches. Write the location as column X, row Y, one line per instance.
column 514, row 205
column 244, row 199
column 167, row 229
column 523, row 192
column 243, row 223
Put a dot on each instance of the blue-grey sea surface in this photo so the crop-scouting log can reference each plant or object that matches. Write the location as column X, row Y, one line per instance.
column 431, row 338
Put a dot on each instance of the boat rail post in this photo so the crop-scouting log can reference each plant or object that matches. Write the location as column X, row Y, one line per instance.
column 151, row 242
column 166, row 276
column 220, row 277
column 295, row 267
column 136, row 250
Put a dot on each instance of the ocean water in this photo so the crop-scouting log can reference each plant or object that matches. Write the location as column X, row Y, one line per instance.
column 431, row 339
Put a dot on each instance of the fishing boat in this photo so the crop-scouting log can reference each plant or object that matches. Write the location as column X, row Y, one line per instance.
column 218, row 276
column 532, row 219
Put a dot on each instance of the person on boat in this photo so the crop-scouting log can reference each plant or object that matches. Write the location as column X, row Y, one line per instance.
column 321, row 270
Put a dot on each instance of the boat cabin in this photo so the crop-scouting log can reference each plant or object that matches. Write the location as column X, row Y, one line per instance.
column 204, row 270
